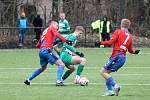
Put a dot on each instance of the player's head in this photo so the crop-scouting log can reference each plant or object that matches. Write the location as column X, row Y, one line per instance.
column 54, row 24
column 79, row 30
column 125, row 23
column 62, row 16
column 23, row 14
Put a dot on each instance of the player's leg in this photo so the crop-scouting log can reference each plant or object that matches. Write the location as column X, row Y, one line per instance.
column 43, row 62
column 113, row 65
column 108, row 79
column 81, row 61
column 116, row 66
column 105, row 72
column 53, row 59
column 68, row 72
column 60, row 70
column 34, row 74
column 67, row 58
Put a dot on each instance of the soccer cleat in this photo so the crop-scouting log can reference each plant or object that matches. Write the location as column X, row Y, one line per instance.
column 26, row 82
column 77, row 79
column 109, row 93
column 117, row 89
column 59, row 83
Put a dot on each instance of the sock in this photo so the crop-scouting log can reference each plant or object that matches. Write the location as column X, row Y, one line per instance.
column 35, row 73
column 109, row 86
column 66, row 75
column 111, row 81
column 80, row 69
column 60, row 71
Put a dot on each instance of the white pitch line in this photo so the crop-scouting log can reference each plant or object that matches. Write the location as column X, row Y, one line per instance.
column 85, row 68
column 73, row 83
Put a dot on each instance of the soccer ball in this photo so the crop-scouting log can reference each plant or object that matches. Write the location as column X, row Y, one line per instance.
column 83, row 81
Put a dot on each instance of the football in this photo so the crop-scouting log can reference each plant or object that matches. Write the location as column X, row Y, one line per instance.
column 84, row 81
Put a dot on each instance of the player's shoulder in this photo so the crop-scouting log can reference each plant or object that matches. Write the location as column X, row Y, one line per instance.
column 65, row 21
column 117, row 31
column 73, row 36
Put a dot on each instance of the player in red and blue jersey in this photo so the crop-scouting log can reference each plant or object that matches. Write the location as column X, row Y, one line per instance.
column 122, row 42
column 46, row 53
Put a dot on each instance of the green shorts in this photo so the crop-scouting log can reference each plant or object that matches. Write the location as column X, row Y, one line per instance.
column 66, row 58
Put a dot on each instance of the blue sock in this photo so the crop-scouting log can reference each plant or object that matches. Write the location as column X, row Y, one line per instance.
column 60, row 71
column 111, row 81
column 109, row 86
column 35, row 73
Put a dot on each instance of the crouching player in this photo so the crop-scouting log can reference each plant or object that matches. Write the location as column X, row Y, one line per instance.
column 122, row 41
column 71, row 57
column 46, row 53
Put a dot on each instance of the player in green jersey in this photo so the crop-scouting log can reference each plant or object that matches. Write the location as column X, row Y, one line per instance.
column 64, row 26
column 71, row 57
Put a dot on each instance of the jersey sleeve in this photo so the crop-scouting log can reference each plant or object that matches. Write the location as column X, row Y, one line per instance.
column 73, row 39
column 71, row 48
column 131, row 49
column 58, row 35
column 113, row 38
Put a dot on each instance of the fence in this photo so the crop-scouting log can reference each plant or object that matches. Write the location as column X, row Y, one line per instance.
column 9, row 38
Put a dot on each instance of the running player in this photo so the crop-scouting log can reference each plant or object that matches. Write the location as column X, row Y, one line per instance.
column 46, row 53
column 71, row 57
column 122, row 41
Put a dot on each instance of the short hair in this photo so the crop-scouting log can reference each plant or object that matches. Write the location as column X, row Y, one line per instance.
column 125, row 23
column 53, row 22
column 80, row 28
column 62, row 13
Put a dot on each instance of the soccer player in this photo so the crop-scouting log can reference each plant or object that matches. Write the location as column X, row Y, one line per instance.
column 46, row 53
column 71, row 57
column 122, row 41
column 64, row 26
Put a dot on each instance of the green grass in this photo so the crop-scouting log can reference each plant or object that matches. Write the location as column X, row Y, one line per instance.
column 17, row 64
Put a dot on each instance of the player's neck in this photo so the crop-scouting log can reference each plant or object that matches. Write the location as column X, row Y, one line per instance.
column 122, row 28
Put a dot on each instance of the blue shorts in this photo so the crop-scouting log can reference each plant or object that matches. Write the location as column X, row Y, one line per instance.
column 47, row 56
column 115, row 63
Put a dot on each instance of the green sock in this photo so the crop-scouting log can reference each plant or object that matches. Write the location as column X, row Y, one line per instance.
column 80, row 69
column 66, row 75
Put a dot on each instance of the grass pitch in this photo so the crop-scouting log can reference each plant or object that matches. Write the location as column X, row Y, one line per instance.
column 17, row 64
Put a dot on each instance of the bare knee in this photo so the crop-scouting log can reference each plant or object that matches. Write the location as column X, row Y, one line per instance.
column 105, row 73
column 83, row 61
column 102, row 71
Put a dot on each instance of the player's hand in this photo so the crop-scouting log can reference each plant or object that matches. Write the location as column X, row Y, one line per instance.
column 80, row 54
column 69, row 42
column 38, row 45
column 137, row 51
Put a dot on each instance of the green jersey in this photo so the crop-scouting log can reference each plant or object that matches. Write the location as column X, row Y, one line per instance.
column 64, row 26
column 68, row 50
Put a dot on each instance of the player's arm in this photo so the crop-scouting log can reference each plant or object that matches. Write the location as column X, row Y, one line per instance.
column 71, row 48
column 132, row 50
column 38, row 45
column 61, row 37
column 112, row 40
